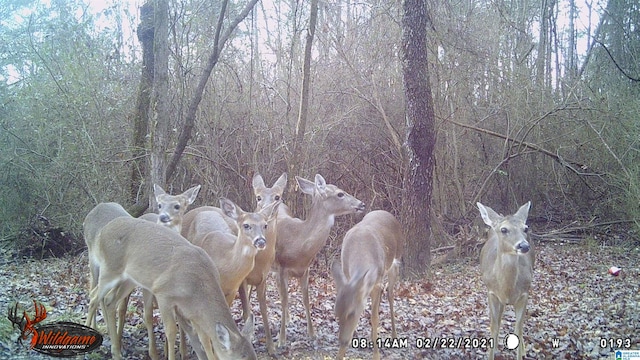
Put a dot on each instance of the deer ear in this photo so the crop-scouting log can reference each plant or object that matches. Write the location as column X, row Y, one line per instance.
column 257, row 182
column 191, row 194
column 157, row 190
column 229, row 208
column 306, row 186
column 321, row 184
column 523, row 212
column 489, row 216
column 282, row 181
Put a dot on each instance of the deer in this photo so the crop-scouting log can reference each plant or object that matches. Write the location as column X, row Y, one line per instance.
column 506, row 265
column 298, row 241
column 96, row 219
column 171, row 208
column 182, row 277
column 257, row 278
column 371, row 250
column 233, row 255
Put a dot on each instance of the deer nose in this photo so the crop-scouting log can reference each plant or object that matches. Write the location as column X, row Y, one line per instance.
column 523, row 247
column 165, row 218
column 360, row 207
column 260, row 243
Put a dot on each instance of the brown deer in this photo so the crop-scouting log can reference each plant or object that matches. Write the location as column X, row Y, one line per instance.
column 370, row 250
column 234, row 255
column 95, row 220
column 506, row 264
column 298, row 241
column 171, row 208
column 257, row 278
column 182, row 277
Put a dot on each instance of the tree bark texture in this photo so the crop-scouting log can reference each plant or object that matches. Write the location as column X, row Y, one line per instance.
column 301, row 125
column 159, row 111
column 420, row 141
column 139, row 167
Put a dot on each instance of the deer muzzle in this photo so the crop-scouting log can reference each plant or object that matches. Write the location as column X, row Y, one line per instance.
column 523, row 247
column 164, row 218
column 260, row 243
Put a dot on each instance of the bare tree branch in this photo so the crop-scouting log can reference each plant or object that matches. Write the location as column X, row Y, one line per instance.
column 190, row 118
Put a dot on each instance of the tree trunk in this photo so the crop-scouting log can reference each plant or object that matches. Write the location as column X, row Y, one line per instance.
column 159, row 115
column 301, row 125
column 137, row 188
column 420, row 119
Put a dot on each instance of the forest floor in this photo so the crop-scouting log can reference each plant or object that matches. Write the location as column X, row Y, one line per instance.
column 575, row 310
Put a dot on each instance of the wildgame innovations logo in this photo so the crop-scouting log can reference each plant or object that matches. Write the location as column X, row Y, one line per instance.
column 59, row 339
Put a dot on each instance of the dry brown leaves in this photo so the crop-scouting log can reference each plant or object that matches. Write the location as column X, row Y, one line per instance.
column 576, row 309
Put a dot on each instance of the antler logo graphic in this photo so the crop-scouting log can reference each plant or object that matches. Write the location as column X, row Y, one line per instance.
column 59, row 339
column 25, row 323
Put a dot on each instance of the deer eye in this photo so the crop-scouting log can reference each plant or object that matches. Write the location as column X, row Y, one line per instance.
column 265, row 226
column 526, row 229
column 259, row 198
column 340, row 194
column 159, row 206
column 246, row 226
column 177, row 207
column 504, row 230
column 277, row 197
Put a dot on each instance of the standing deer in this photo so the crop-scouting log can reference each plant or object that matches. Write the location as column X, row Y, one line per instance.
column 370, row 250
column 298, row 241
column 93, row 224
column 182, row 277
column 234, row 255
column 506, row 264
column 257, row 278
column 171, row 208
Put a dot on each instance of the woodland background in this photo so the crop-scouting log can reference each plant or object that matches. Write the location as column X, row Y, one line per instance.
column 533, row 100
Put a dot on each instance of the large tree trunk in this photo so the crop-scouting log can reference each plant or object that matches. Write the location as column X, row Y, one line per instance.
column 159, row 111
column 139, row 167
column 420, row 118
column 301, row 125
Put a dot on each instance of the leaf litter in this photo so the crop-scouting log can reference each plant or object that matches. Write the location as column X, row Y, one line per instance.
column 576, row 309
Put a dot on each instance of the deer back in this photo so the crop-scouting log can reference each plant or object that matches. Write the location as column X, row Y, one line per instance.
column 369, row 250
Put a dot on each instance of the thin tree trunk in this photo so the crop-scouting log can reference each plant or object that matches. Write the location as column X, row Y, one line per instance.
column 139, row 167
column 190, row 118
column 301, row 125
column 420, row 118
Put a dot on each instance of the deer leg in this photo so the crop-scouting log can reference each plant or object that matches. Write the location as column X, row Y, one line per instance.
column 170, row 328
column 147, row 317
column 109, row 308
column 520, row 309
column 245, row 298
column 304, row 280
column 495, row 313
column 261, row 294
column 284, row 299
column 392, row 278
column 376, row 295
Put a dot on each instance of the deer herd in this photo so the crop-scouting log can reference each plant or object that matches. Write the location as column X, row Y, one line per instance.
column 193, row 263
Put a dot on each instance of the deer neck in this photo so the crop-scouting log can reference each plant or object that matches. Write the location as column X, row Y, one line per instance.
column 318, row 225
